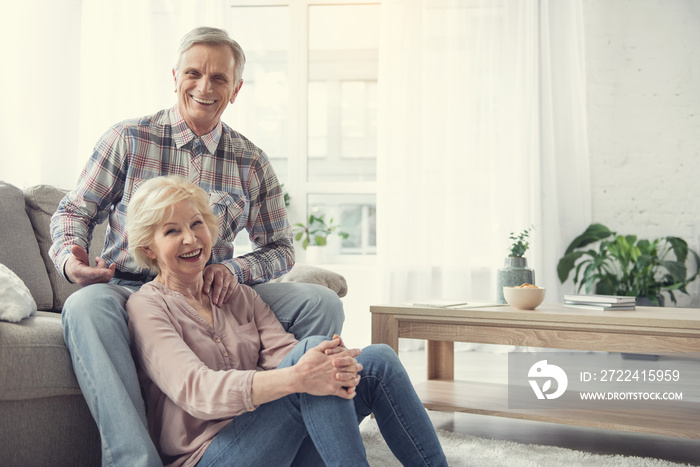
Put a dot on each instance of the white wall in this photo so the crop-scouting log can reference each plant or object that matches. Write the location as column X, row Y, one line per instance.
column 643, row 62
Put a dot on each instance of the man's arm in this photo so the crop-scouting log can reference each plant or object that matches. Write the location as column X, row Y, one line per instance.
column 268, row 228
column 100, row 183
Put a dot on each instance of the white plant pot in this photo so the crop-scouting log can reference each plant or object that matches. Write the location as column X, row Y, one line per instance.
column 316, row 254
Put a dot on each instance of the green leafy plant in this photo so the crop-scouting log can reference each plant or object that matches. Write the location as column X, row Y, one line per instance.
column 520, row 243
column 316, row 231
column 626, row 265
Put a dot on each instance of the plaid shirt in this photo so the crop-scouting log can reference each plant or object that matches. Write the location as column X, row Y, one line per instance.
column 243, row 188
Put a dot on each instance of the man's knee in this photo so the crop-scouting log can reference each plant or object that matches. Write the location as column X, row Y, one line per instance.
column 95, row 306
column 304, row 309
column 330, row 307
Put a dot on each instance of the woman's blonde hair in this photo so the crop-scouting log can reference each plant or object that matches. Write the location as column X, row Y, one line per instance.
column 152, row 202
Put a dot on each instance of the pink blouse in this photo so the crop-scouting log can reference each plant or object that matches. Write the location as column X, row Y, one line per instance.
column 197, row 377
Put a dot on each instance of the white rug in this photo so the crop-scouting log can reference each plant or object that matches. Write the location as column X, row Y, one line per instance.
column 465, row 450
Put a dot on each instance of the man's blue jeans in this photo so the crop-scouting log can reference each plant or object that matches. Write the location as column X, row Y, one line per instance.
column 97, row 336
column 305, row 430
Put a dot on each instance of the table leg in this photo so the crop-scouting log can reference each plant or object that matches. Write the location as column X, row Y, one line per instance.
column 385, row 330
column 441, row 360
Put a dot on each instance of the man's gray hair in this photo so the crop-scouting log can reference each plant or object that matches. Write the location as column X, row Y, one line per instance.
column 212, row 36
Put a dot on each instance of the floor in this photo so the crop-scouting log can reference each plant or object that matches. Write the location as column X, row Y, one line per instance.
column 489, row 364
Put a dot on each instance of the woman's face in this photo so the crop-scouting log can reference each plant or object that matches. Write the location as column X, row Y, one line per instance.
column 181, row 242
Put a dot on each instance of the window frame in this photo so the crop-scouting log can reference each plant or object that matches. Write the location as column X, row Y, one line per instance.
column 297, row 184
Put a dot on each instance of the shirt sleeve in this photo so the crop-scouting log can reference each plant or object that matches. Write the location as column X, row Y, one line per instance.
column 268, row 228
column 99, row 185
column 174, row 367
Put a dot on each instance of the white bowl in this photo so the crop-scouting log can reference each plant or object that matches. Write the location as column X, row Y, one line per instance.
column 524, row 298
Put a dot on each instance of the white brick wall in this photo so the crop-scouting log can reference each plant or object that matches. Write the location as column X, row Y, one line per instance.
column 643, row 62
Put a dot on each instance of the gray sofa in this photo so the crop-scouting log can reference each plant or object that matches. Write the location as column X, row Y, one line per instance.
column 44, row 420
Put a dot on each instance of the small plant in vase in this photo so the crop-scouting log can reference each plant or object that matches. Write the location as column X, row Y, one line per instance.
column 515, row 271
column 316, row 231
column 520, row 243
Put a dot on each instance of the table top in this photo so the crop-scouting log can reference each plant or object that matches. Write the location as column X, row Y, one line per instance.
column 659, row 317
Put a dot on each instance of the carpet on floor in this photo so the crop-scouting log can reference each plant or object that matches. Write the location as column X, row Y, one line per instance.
column 464, row 450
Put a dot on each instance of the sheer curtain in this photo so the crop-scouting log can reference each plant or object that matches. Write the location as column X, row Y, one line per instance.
column 482, row 132
column 75, row 68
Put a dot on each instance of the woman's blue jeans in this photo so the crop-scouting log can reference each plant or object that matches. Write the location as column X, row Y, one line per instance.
column 305, row 430
column 97, row 336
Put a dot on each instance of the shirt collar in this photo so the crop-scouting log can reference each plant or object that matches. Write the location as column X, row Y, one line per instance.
column 182, row 134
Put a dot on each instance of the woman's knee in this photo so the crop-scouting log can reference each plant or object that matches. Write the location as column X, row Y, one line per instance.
column 300, row 349
column 311, row 342
column 380, row 356
column 381, row 351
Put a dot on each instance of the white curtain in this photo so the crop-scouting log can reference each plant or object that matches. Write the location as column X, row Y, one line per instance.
column 482, row 133
column 73, row 68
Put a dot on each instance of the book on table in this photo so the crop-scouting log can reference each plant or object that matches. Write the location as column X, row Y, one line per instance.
column 600, row 302
column 454, row 304
column 600, row 307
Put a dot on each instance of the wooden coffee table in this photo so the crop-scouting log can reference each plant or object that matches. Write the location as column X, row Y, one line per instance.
column 646, row 330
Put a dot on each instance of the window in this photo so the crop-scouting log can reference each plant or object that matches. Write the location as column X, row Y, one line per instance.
column 262, row 110
column 342, row 92
column 309, row 100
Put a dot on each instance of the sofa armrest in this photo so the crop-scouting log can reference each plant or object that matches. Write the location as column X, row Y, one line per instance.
column 316, row 275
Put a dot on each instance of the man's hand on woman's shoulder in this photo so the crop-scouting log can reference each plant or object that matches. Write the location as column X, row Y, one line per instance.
column 219, row 283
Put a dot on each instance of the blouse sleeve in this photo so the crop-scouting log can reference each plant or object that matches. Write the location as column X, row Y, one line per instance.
column 168, row 361
column 275, row 342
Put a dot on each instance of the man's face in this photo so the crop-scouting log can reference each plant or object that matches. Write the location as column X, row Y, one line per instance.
column 205, row 85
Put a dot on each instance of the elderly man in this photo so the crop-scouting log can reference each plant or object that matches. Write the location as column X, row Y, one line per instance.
column 188, row 140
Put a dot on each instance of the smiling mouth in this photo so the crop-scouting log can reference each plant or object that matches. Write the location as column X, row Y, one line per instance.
column 192, row 255
column 202, row 101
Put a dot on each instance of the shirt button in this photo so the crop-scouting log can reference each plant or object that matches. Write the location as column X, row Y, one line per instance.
column 217, row 340
column 225, row 354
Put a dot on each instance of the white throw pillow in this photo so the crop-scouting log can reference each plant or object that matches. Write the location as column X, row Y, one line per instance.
column 16, row 303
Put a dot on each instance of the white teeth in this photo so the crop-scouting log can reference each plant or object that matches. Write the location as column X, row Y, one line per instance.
column 202, row 101
column 191, row 255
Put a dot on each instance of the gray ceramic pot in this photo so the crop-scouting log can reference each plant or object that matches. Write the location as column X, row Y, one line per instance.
column 514, row 272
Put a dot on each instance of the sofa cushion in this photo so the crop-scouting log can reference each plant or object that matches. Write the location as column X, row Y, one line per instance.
column 35, row 359
column 19, row 250
column 316, row 275
column 42, row 201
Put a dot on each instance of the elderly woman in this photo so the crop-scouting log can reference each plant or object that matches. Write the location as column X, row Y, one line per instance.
column 227, row 385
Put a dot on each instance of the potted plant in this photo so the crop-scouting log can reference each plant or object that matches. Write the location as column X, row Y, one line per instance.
column 515, row 271
column 626, row 265
column 316, row 231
